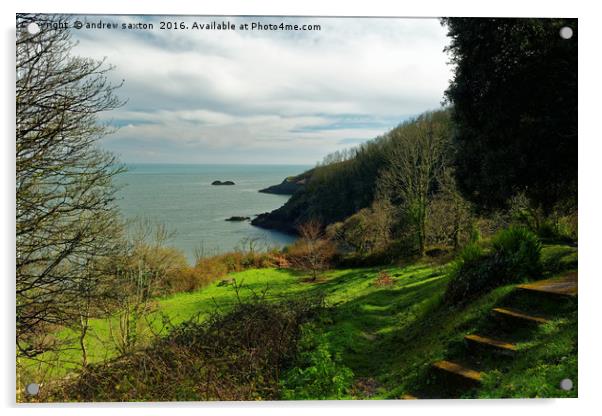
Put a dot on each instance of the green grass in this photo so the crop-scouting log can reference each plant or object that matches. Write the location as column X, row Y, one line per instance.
column 389, row 336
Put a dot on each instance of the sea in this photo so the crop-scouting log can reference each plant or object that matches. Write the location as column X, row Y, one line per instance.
column 181, row 197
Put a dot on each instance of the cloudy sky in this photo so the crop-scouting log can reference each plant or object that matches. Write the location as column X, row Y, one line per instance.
column 207, row 96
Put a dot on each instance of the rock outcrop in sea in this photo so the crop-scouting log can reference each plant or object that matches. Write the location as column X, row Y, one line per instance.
column 222, row 183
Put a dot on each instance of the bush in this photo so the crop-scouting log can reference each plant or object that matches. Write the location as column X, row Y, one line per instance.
column 366, row 232
column 209, row 269
column 515, row 256
column 560, row 224
column 234, row 356
column 520, row 250
column 472, row 253
column 318, row 373
column 470, row 274
column 559, row 228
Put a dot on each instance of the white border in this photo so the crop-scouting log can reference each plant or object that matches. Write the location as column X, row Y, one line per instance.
column 590, row 150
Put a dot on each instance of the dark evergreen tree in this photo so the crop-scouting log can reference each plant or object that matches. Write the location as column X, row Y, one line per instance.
column 514, row 95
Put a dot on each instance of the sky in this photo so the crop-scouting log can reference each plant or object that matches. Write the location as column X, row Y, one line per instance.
column 264, row 97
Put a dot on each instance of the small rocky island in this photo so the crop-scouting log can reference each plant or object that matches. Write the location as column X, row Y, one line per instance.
column 217, row 183
column 238, row 218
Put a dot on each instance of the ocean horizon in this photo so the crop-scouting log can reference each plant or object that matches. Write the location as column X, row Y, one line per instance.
column 181, row 197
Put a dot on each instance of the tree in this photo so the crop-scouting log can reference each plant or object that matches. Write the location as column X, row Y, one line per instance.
column 312, row 253
column 415, row 164
column 450, row 221
column 67, row 222
column 94, row 288
column 514, row 96
column 142, row 271
column 367, row 231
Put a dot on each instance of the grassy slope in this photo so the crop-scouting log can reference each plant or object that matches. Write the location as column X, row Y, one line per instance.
column 390, row 336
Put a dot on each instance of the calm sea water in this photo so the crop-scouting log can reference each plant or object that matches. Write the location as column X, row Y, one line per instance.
column 182, row 198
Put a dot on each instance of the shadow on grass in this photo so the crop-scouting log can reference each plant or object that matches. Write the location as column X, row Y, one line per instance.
column 557, row 259
column 365, row 328
column 544, row 351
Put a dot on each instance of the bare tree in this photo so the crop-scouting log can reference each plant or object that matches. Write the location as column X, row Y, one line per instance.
column 140, row 271
column 415, row 163
column 312, row 252
column 66, row 220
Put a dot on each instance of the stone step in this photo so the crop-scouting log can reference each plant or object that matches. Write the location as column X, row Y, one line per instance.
column 562, row 286
column 514, row 314
column 458, row 370
column 490, row 342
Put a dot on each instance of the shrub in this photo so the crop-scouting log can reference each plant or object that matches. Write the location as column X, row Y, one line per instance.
column 470, row 254
column 470, row 274
column 449, row 218
column 515, row 256
column 366, row 232
column 520, row 250
column 186, row 280
column 209, row 269
column 560, row 224
column 278, row 260
column 559, row 228
column 318, row 373
column 234, row 356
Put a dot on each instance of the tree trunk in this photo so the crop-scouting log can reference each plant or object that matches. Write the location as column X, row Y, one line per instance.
column 422, row 231
column 82, row 341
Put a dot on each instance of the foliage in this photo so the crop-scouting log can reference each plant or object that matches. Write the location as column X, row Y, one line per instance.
column 344, row 184
column 366, row 232
column 559, row 224
column 67, row 223
column 139, row 272
column 209, row 269
column 449, row 218
column 416, row 160
column 390, row 186
column 520, row 250
column 313, row 252
column 515, row 256
column 318, row 373
column 367, row 324
column 514, row 97
column 232, row 356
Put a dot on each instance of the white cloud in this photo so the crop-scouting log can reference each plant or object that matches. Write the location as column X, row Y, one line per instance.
column 286, row 95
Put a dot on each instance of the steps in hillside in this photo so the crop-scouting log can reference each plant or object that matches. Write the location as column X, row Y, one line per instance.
column 518, row 315
column 458, row 370
column 563, row 286
column 557, row 288
column 480, row 340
